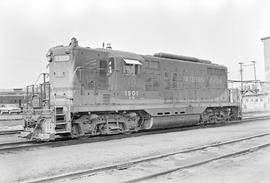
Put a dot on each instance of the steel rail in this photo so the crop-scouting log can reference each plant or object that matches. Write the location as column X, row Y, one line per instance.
column 20, row 145
column 9, row 132
column 128, row 164
column 15, row 143
column 154, row 175
column 252, row 118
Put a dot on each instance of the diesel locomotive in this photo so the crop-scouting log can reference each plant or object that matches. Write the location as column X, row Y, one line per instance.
column 104, row 91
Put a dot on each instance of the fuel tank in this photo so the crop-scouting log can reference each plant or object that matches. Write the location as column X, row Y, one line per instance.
column 160, row 122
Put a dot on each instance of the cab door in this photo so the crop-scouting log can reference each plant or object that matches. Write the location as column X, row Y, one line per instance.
column 132, row 75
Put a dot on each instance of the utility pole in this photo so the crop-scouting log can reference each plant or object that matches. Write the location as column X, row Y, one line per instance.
column 44, row 86
column 254, row 67
column 241, row 92
column 27, row 97
column 241, row 75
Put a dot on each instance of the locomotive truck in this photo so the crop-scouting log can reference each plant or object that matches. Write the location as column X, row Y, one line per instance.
column 104, row 91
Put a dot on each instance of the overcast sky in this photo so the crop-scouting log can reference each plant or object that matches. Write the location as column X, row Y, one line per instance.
column 224, row 31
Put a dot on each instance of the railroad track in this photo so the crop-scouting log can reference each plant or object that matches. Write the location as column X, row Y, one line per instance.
column 193, row 164
column 16, row 146
column 138, row 167
column 9, row 132
column 253, row 118
column 11, row 146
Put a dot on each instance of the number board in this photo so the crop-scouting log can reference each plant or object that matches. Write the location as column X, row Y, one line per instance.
column 131, row 94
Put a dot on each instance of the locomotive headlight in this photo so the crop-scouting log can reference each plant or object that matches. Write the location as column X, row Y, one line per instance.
column 49, row 56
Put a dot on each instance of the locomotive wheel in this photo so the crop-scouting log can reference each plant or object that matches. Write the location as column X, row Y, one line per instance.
column 212, row 119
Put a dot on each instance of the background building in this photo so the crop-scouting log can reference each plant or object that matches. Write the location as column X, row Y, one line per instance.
column 12, row 97
column 266, row 45
column 256, row 96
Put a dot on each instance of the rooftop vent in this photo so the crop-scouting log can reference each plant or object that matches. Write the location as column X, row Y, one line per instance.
column 109, row 46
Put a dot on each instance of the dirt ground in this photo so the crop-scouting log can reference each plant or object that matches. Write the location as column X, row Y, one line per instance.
column 250, row 168
column 36, row 163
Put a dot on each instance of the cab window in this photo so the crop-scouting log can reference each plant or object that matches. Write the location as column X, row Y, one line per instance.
column 103, row 66
column 131, row 66
column 110, row 65
column 132, row 69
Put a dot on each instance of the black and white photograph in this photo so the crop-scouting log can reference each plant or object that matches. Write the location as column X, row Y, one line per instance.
column 134, row 91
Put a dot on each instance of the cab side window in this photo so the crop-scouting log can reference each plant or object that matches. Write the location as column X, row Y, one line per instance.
column 103, row 67
column 132, row 69
column 110, row 65
column 137, row 69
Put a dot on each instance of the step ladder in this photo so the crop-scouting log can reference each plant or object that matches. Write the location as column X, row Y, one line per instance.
column 62, row 121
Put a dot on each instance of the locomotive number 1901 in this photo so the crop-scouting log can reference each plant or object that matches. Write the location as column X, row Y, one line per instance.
column 131, row 94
